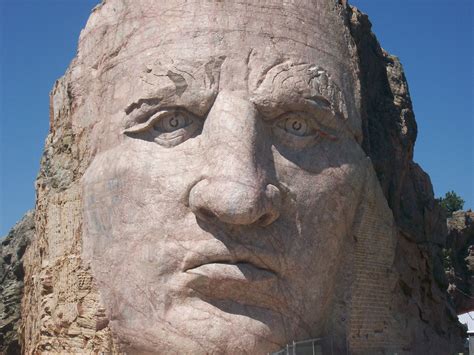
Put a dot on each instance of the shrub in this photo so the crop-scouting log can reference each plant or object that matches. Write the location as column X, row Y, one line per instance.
column 451, row 202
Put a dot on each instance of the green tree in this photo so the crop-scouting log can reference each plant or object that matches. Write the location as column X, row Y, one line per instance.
column 451, row 202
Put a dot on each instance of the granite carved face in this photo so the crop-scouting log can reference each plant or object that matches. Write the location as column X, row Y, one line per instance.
column 220, row 203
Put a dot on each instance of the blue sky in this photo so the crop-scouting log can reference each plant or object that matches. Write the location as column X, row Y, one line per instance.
column 433, row 39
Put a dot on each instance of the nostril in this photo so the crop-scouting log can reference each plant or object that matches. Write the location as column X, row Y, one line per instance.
column 262, row 220
column 265, row 220
column 204, row 212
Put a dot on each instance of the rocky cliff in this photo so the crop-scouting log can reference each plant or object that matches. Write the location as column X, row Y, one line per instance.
column 12, row 249
column 61, row 307
column 459, row 260
column 390, row 130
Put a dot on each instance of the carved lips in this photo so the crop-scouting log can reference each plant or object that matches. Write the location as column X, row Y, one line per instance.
column 227, row 270
column 245, row 280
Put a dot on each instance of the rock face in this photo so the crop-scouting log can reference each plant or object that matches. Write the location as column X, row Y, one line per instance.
column 61, row 312
column 12, row 249
column 182, row 139
column 389, row 131
column 459, row 260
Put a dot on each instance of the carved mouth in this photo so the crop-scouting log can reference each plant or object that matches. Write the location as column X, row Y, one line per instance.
column 230, row 274
column 246, row 279
column 239, row 263
column 213, row 261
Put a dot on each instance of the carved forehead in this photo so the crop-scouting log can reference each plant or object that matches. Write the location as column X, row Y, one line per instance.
column 135, row 34
column 191, row 27
column 311, row 31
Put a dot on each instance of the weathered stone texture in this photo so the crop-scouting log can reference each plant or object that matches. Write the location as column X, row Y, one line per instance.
column 403, row 308
column 12, row 249
column 372, row 325
column 459, row 260
column 389, row 130
column 60, row 307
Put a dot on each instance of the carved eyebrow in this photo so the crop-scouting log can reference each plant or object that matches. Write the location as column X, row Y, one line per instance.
column 322, row 105
column 312, row 83
column 317, row 107
column 266, row 71
column 138, row 104
column 144, row 126
column 320, row 101
column 179, row 82
column 286, row 65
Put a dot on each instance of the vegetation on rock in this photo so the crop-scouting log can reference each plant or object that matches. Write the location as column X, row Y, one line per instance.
column 451, row 202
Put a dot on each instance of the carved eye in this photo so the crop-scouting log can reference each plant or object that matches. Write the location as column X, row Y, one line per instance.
column 299, row 130
column 296, row 125
column 167, row 127
column 173, row 122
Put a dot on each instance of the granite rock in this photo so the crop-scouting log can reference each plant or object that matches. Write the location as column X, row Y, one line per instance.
column 389, row 131
column 98, row 278
column 459, row 260
column 12, row 249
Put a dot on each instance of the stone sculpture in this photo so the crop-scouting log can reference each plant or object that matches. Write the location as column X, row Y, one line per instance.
column 207, row 189
column 229, row 181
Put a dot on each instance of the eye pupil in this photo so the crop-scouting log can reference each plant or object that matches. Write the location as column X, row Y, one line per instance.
column 174, row 122
column 296, row 125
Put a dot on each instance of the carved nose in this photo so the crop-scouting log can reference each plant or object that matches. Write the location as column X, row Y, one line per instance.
column 234, row 202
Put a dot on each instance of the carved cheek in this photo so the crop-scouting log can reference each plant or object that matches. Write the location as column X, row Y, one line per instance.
column 110, row 194
column 321, row 175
